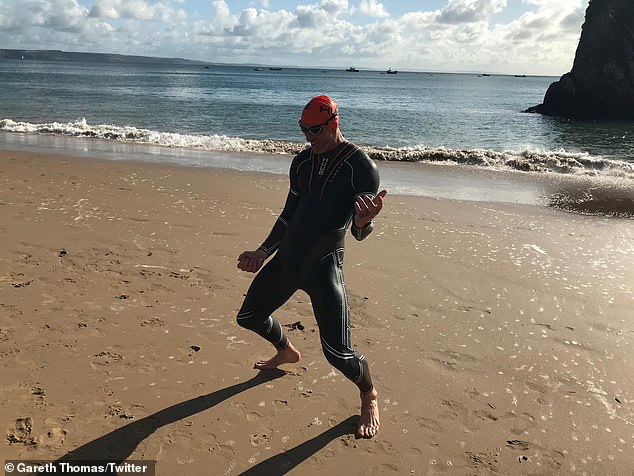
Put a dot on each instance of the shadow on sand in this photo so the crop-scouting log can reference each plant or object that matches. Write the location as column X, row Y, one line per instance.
column 284, row 462
column 118, row 445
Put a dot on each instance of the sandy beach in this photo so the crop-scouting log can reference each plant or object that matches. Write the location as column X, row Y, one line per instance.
column 499, row 335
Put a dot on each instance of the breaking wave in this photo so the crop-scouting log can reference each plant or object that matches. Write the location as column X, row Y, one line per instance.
column 534, row 161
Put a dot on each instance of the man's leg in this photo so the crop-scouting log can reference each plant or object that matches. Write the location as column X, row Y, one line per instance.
column 326, row 288
column 268, row 291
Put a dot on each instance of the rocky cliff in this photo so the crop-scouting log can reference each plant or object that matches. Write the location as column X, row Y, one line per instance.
column 601, row 82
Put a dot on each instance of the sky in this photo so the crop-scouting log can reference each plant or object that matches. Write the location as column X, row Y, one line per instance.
column 537, row 37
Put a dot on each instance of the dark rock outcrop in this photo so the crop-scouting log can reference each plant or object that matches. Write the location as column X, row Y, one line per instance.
column 601, row 82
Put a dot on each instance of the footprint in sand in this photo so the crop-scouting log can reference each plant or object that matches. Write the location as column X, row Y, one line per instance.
column 240, row 411
column 296, row 371
column 483, row 461
column 18, row 281
column 347, row 441
column 532, row 453
column 252, row 416
column 33, row 392
column 430, row 424
column 520, row 424
column 55, row 436
column 523, row 423
column 105, row 358
column 457, row 411
column 20, row 434
column 444, row 363
column 8, row 352
column 118, row 411
column 432, row 429
column 485, row 415
column 259, row 439
column 453, row 359
column 223, row 450
column 153, row 322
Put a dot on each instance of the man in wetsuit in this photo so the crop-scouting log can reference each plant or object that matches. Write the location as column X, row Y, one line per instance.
column 333, row 185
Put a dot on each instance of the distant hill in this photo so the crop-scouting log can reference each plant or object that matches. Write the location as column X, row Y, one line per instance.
column 79, row 57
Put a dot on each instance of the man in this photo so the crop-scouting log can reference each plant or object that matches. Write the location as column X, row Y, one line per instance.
column 333, row 184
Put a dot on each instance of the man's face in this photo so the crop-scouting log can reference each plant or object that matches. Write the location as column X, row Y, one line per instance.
column 322, row 142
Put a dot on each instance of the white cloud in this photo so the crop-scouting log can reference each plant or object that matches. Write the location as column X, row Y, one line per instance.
column 373, row 8
column 469, row 11
column 324, row 33
column 221, row 18
column 134, row 9
column 263, row 24
column 334, row 7
column 320, row 15
column 55, row 15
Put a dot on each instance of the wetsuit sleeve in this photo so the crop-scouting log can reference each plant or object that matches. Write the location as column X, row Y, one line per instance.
column 361, row 233
column 365, row 182
column 272, row 242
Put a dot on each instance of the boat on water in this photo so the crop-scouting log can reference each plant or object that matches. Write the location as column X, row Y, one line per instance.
column 391, row 71
column 352, row 69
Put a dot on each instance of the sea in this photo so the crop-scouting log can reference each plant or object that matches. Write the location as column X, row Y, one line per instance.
column 448, row 135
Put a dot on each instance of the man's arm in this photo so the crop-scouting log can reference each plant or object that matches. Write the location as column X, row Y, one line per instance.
column 272, row 242
column 252, row 261
column 367, row 202
column 366, row 207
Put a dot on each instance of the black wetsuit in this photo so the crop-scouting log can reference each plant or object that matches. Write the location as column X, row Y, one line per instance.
column 309, row 240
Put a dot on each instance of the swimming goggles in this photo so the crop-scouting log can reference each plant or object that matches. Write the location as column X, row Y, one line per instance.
column 316, row 130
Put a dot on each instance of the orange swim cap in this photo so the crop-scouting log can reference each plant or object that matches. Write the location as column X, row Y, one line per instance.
column 319, row 110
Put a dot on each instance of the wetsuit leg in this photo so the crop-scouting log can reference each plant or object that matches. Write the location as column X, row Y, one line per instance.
column 326, row 287
column 268, row 291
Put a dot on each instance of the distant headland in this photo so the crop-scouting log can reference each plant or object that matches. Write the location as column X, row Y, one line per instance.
column 81, row 57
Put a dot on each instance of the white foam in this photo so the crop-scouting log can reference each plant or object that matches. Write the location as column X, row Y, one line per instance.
column 536, row 161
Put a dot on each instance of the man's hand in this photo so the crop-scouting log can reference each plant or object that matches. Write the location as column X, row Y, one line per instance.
column 251, row 261
column 367, row 208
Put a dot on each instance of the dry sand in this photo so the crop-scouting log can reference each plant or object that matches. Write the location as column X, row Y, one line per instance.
column 499, row 336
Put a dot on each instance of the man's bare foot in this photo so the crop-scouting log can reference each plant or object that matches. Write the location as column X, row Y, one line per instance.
column 369, row 421
column 290, row 355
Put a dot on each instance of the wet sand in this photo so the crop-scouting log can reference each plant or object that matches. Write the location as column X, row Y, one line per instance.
column 499, row 335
